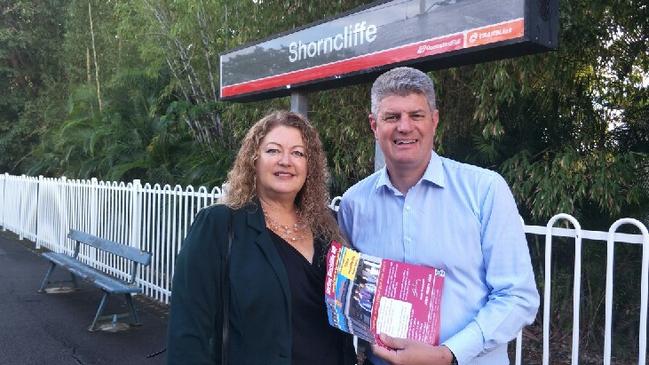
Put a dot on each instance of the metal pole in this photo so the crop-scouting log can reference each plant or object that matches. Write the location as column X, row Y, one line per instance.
column 379, row 159
column 300, row 103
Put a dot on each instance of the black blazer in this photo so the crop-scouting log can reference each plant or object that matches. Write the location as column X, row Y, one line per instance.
column 257, row 275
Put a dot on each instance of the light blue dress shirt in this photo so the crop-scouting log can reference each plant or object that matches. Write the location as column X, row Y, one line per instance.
column 463, row 219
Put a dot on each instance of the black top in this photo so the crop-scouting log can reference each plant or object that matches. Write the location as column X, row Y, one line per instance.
column 260, row 311
column 314, row 342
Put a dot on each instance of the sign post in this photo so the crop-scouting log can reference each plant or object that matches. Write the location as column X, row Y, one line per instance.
column 299, row 103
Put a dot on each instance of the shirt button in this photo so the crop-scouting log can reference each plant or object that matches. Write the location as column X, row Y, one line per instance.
column 407, row 207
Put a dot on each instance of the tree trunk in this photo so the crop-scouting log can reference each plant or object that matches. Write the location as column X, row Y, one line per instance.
column 88, row 66
column 94, row 55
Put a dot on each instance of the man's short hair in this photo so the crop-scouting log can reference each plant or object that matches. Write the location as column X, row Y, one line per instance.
column 402, row 81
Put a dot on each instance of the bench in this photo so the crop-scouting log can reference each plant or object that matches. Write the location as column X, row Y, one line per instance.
column 108, row 284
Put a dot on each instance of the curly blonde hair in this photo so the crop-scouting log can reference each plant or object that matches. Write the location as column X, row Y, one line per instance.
column 312, row 200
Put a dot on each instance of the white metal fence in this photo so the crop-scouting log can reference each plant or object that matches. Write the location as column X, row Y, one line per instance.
column 156, row 218
column 151, row 218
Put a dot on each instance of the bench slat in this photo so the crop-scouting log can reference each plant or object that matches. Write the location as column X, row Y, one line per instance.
column 113, row 247
column 91, row 274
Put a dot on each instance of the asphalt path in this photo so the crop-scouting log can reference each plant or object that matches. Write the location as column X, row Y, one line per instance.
column 52, row 328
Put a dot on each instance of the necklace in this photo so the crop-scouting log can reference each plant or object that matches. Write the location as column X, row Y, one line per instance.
column 290, row 233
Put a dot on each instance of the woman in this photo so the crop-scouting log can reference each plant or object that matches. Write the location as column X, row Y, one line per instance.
column 276, row 209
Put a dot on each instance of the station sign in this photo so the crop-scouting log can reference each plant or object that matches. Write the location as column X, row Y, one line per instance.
column 356, row 46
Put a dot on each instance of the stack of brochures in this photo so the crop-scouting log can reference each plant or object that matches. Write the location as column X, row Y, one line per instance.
column 367, row 295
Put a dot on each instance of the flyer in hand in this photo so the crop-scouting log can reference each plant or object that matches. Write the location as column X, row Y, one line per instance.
column 367, row 295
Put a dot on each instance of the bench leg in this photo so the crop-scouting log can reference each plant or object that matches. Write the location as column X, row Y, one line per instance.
column 74, row 281
column 46, row 279
column 100, row 310
column 129, row 301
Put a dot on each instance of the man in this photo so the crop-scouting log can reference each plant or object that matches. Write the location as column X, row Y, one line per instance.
column 429, row 210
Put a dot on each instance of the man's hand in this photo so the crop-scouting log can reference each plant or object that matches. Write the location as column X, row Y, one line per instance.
column 402, row 351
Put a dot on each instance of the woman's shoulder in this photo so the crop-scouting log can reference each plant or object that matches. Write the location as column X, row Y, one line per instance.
column 223, row 213
column 212, row 216
column 216, row 211
column 206, row 229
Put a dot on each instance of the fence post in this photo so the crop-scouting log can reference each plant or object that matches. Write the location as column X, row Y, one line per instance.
column 38, row 210
column 136, row 213
column 3, row 223
column 63, row 209
column 644, row 291
column 21, row 207
column 94, row 207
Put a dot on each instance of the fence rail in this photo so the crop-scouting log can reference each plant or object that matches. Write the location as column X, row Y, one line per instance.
column 156, row 218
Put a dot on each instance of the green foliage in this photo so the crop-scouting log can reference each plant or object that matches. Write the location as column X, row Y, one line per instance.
column 601, row 178
column 29, row 36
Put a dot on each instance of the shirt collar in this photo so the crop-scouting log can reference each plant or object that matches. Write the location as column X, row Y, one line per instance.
column 434, row 173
